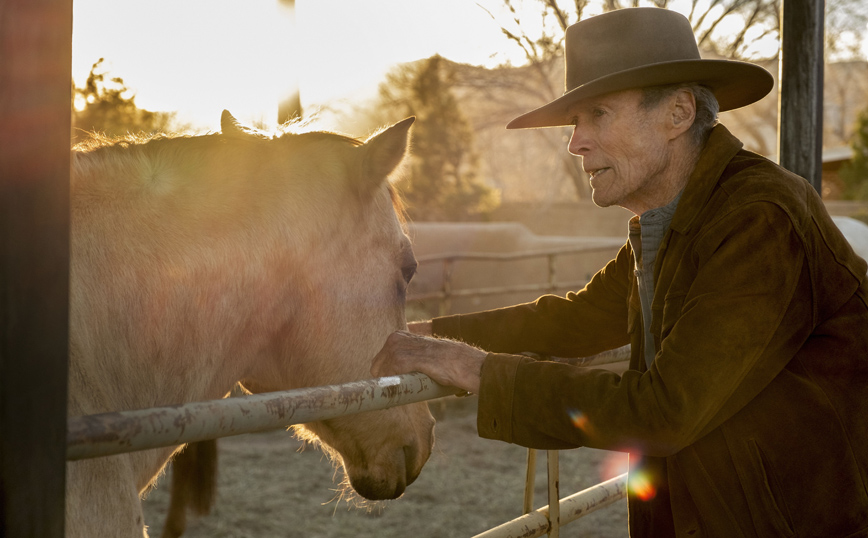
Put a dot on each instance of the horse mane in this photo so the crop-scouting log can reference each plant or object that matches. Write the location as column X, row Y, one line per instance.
column 94, row 140
column 111, row 148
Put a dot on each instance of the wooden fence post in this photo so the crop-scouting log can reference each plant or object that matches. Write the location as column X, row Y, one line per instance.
column 800, row 129
column 35, row 84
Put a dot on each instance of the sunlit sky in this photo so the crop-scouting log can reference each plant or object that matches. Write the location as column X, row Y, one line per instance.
column 201, row 56
column 198, row 57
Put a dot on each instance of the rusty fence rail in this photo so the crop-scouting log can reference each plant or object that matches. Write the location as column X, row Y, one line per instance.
column 446, row 292
column 127, row 431
column 108, row 434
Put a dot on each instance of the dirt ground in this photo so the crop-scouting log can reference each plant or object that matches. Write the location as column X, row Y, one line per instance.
column 270, row 485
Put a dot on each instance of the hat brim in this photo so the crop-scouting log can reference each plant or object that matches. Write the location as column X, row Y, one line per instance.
column 735, row 84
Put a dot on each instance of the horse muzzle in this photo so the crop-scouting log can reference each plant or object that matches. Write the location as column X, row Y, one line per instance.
column 390, row 471
column 388, row 481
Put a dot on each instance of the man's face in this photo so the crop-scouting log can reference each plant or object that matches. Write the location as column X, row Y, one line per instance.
column 623, row 146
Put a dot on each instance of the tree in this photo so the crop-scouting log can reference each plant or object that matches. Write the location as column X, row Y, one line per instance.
column 854, row 174
column 737, row 29
column 106, row 106
column 442, row 182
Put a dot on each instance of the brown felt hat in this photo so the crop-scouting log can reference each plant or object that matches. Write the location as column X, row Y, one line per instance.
column 637, row 48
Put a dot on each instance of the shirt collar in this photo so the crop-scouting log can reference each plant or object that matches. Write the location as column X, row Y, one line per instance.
column 718, row 151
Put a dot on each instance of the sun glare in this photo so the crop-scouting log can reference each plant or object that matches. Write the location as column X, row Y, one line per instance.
column 198, row 57
column 194, row 57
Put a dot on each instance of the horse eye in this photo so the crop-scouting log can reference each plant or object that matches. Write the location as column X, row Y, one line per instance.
column 408, row 261
column 408, row 271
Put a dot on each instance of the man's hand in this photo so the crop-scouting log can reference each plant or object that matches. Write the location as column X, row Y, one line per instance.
column 447, row 362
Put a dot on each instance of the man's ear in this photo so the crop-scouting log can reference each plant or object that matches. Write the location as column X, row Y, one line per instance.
column 683, row 111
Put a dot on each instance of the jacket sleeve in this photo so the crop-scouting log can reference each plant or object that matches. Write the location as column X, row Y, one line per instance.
column 734, row 328
column 577, row 325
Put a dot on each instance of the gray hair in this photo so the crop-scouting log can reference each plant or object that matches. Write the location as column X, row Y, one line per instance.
column 707, row 107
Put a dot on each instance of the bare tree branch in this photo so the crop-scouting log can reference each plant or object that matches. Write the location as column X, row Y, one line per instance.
column 560, row 15
column 739, row 38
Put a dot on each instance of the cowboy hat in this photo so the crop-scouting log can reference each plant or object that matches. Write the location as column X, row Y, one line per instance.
column 637, row 48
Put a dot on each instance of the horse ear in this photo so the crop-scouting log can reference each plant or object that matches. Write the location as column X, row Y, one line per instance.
column 231, row 128
column 384, row 151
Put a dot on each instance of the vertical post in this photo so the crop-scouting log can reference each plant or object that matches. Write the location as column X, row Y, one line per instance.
column 800, row 129
column 446, row 301
column 552, row 273
column 554, row 495
column 35, row 85
column 289, row 107
column 529, row 480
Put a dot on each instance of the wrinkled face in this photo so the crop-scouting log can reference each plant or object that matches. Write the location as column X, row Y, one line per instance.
column 623, row 148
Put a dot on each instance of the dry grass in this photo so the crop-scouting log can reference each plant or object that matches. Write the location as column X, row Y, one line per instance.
column 267, row 488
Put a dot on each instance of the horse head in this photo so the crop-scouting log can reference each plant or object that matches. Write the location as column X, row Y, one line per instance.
column 357, row 263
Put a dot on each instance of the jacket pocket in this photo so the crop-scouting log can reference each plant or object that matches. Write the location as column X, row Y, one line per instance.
column 767, row 488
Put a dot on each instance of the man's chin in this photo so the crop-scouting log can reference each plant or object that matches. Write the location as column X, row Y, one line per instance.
column 599, row 200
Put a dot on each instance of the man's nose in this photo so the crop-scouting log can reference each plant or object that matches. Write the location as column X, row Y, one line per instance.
column 579, row 143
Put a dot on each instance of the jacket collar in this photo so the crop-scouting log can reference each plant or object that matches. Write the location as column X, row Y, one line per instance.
column 718, row 151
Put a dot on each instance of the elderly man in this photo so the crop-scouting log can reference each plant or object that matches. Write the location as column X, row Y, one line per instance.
column 745, row 407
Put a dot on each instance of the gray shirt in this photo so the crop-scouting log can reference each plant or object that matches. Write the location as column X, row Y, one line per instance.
column 646, row 234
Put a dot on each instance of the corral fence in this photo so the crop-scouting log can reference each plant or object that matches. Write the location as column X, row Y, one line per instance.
column 446, row 293
column 113, row 433
column 108, row 434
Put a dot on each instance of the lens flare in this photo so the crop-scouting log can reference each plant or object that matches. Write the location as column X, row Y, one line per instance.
column 640, row 485
column 613, row 464
column 579, row 419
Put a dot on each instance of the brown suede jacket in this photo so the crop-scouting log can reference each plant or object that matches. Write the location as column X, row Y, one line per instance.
column 753, row 418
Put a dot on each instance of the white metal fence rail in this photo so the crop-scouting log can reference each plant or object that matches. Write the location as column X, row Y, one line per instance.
column 127, row 431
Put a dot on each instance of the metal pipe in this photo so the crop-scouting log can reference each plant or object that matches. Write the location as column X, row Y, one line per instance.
column 601, row 246
column 529, row 480
column 126, row 431
column 554, row 494
column 578, row 505
column 478, row 292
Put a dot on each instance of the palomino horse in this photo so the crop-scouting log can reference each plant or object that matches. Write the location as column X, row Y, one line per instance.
column 201, row 261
